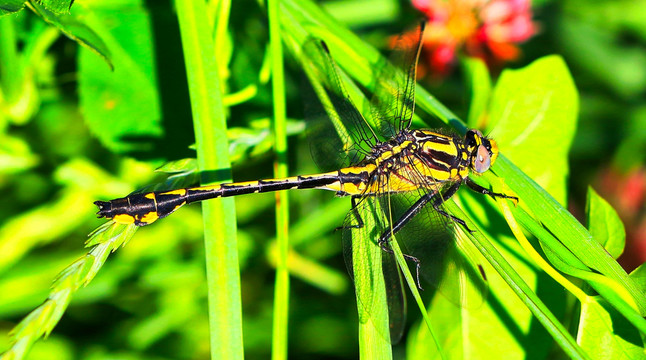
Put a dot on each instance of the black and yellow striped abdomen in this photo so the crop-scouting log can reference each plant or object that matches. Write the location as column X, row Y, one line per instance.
column 145, row 208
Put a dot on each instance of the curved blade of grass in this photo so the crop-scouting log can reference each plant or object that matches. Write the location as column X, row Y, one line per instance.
column 42, row 320
column 518, row 285
column 412, row 285
column 374, row 333
column 223, row 273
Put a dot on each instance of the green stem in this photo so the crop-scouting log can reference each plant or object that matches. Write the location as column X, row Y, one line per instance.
column 281, row 294
column 222, row 268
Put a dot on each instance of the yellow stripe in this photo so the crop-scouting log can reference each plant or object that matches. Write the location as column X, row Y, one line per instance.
column 123, row 219
column 205, row 188
column 357, row 169
column 450, row 149
column 149, row 217
column 180, row 192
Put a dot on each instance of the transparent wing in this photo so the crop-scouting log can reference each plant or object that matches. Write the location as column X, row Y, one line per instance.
column 363, row 226
column 393, row 101
column 447, row 261
column 339, row 135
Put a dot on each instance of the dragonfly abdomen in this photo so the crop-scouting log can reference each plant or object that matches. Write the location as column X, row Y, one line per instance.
column 143, row 209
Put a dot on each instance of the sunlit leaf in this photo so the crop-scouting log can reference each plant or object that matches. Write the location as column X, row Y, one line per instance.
column 533, row 117
column 604, row 224
column 606, row 334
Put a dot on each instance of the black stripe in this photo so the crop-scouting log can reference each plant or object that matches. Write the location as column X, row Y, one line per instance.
column 234, row 190
column 166, row 204
column 353, row 178
column 446, row 158
column 306, row 182
column 193, row 195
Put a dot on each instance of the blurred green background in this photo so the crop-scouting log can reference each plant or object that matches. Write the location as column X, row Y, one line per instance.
column 72, row 131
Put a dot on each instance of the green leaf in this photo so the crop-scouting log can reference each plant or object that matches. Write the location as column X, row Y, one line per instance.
column 606, row 334
column 639, row 276
column 123, row 102
column 604, row 224
column 11, row 6
column 76, row 29
column 56, row 6
column 534, row 112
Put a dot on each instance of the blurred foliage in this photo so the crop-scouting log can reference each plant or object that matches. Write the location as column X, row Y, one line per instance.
column 74, row 130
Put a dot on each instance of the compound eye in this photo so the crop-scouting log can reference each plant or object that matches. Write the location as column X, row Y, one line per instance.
column 482, row 162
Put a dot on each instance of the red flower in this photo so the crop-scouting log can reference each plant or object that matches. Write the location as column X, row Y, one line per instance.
column 488, row 29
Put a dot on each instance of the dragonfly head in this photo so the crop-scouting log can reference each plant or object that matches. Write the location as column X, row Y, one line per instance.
column 483, row 151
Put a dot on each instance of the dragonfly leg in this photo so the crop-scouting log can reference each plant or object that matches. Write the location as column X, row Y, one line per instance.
column 355, row 212
column 483, row 190
column 386, row 237
column 450, row 191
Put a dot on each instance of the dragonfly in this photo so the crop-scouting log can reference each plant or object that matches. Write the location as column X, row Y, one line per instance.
column 397, row 176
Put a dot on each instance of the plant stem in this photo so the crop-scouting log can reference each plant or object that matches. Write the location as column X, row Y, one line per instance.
column 222, row 268
column 281, row 292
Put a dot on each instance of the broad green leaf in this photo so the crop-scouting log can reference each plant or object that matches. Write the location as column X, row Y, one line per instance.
column 534, row 113
column 606, row 334
column 57, row 6
column 76, row 29
column 604, row 224
column 11, row 6
column 123, row 102
column 479, row 84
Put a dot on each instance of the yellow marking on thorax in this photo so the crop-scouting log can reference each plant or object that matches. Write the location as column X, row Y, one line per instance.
column 393, row 151
column 428, row 172
column 150, row 196
column 450, row 148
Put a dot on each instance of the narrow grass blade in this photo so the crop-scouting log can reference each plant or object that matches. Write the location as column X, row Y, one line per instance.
column 281, row 291
column 223, row 273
